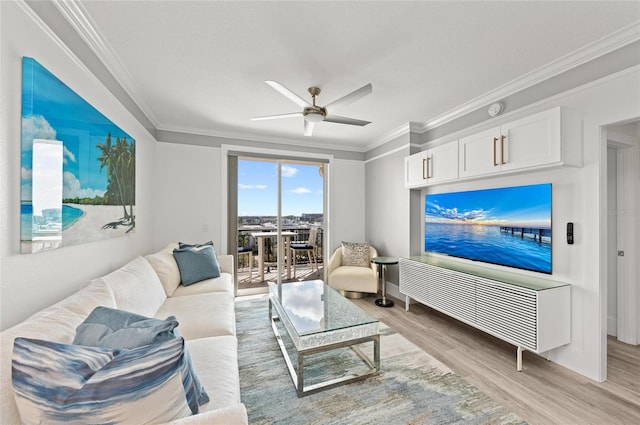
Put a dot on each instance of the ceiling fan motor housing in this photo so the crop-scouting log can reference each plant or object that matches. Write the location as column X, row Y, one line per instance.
column 314, row 114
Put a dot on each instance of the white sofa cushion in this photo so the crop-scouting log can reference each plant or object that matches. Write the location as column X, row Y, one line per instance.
column 222, row 381
column 224, row 283
column 165, row 266
column 226, row 263
column 90, row 296
column 136, row 287
column 230, row 415
column 201, row 315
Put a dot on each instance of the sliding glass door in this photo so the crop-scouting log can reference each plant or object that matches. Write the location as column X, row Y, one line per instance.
column 280, row 216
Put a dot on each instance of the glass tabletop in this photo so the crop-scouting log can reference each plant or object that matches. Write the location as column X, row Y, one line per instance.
column 385, row 260
column 313, row 307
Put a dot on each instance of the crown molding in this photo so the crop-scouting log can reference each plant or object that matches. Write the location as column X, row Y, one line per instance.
column 77, row 16
column 622, row 37
column 389, row 136
column 253, row 137
column 387, row 153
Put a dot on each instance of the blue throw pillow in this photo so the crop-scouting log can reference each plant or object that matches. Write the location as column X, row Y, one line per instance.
column 118, row 329
column 196, row 262
column 109, row 327
column 66, row 384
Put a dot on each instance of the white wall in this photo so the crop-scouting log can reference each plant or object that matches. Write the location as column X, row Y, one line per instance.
column 188, row 187
column 346, row 203
column 29, row 282
column 388, row 207
column 579, row 196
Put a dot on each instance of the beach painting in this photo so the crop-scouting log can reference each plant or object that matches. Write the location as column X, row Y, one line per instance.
column 78, row 167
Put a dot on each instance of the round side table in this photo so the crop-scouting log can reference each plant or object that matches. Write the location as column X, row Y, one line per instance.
column 383, row 262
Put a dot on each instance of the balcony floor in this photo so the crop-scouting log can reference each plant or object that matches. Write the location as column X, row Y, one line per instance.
column 303, row 272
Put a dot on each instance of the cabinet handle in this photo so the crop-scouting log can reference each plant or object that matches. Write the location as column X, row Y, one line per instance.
column 424, row 176
column 495, row 140
column 429, row 175
column 502, row 137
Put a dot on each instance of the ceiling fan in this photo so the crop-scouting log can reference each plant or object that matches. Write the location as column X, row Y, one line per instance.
column 313, row 113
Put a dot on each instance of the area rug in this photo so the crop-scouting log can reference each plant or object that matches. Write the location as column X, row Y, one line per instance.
column 411, row 388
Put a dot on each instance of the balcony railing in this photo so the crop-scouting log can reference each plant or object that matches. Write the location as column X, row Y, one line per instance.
column 248, row 274
column 271, row 249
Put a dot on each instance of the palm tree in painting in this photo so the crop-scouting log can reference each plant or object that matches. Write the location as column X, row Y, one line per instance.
column 119, row 160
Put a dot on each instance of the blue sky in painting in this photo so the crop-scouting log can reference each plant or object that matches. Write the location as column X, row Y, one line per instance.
column 51, row 110
column 302, row 188
column 516, row 206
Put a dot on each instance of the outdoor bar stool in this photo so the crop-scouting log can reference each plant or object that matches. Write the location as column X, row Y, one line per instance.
column 248, row 252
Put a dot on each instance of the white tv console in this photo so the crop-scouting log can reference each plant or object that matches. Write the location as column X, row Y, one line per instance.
column 528, row 312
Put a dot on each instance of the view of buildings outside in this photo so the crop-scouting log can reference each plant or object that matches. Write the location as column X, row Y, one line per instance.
column 302, row 198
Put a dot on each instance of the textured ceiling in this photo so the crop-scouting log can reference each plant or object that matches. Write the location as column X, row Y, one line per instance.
column 200, row 66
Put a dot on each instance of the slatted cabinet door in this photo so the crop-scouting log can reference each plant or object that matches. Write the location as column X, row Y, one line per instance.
column 413, row 276
column 531, row 313
column 508, row 311
column 452, row 293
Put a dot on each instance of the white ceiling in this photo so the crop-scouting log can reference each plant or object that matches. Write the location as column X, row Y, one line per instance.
column 200, row 66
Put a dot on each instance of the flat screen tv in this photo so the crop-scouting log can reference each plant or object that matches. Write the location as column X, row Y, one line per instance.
column 508, row 226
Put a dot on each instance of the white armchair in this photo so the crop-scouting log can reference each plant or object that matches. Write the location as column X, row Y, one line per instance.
column 352, row 281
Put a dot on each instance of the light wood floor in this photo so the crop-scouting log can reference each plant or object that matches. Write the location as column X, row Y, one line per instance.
column 544, row 392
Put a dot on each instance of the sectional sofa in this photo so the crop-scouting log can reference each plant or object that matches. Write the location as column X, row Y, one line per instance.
column 148, row 286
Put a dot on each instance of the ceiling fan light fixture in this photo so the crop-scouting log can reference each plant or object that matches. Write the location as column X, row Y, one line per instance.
column 314, row 116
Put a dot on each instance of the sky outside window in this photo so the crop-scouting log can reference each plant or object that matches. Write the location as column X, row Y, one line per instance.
column 302, row 188
column 511, row 206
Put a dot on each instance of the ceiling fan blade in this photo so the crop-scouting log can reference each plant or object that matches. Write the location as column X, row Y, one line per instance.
column 351, row 97
column 308, row 128
column 288, row 94
column 345, row 120
column 275, row 117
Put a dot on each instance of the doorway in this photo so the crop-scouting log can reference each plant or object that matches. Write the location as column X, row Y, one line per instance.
column 623, row 162
column 280, row 207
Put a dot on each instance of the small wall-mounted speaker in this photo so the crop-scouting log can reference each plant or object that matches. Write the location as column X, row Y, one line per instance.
column 570, row 233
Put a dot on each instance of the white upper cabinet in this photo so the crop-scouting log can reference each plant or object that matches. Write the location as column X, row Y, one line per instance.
column 528, row 142
column 479, row 153
column 532, row 141
column 545, row 139
column 435, row 165
column 415, row 170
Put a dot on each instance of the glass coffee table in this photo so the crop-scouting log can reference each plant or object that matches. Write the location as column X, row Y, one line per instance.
column 315, row 319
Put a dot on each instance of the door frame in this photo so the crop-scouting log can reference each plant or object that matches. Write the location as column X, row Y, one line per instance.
column 226, row 149
column 628, row 166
